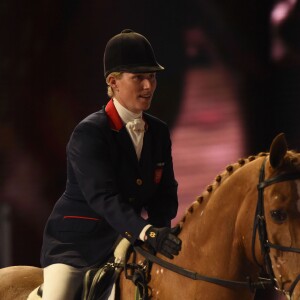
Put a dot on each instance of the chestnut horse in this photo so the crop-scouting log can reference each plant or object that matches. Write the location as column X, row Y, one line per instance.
column 245, row 223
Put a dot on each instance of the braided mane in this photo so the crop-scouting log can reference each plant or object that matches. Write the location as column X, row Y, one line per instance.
column 291, row 159
column 230, row 169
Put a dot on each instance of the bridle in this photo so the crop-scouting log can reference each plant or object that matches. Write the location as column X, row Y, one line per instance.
column 260, row 228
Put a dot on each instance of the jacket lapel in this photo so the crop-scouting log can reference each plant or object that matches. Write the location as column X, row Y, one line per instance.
column 146, row 151
column 123, row 138
column 126, row 144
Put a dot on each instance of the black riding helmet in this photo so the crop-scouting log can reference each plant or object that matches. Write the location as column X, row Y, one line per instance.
column 130, row 52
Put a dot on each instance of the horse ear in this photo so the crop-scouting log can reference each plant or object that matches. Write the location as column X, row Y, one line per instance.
column 278, row 150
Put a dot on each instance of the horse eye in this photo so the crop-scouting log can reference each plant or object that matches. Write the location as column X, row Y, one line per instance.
column 278, row 216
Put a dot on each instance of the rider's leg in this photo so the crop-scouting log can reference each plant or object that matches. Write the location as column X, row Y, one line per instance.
column 61, row 282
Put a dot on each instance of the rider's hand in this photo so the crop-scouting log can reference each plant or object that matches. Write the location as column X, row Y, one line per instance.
column 164, row 240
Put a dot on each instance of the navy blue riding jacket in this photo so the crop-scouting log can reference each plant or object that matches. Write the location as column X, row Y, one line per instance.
column 107, row 188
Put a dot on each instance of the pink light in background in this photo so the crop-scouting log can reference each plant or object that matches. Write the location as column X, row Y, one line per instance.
column 208, row 132
column 281, row 10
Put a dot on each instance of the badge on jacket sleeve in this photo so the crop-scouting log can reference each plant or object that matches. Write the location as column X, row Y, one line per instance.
column 158, row 172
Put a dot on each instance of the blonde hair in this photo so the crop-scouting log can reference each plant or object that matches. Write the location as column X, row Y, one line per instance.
column 110, row 91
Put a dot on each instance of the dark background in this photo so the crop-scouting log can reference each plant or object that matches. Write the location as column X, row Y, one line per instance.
column 52, row 76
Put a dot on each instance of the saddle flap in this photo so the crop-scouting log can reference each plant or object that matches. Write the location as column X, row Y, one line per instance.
column 98, row 283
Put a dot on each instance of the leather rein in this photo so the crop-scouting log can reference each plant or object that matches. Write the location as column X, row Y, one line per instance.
column 260, row 228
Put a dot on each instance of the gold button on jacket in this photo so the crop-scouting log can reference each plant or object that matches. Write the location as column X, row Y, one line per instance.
column 139, row 181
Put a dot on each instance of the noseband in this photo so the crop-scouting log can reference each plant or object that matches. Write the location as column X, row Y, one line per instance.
column 260, row 227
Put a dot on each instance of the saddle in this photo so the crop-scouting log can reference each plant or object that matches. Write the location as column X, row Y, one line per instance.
column 102, row 283
column 99, row 283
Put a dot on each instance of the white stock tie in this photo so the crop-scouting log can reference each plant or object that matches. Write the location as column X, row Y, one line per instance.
column 136, row 129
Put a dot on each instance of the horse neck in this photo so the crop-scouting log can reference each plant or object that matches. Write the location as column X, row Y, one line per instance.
column 218, row 229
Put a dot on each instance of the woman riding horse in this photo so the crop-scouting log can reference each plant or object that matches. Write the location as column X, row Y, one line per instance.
column 119, row 162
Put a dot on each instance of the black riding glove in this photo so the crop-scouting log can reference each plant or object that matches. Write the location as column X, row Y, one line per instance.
column 164, row 240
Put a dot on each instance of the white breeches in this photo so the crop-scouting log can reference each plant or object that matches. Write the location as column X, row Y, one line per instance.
column 61, row 282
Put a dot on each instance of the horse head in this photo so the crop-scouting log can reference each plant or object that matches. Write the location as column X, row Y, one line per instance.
column 246, row 224
column 280, row 190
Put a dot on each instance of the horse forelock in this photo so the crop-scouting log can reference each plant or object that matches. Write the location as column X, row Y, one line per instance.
column 290, row 163
column 293, row 159
column 210, row 189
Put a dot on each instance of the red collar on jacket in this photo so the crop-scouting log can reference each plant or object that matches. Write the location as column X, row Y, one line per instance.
column 114, row 119
column 113, row 116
